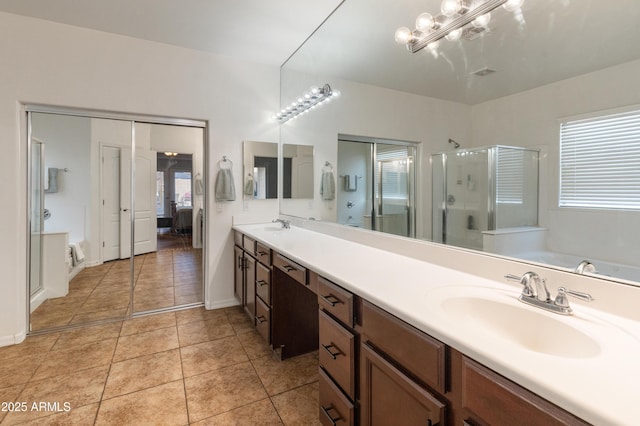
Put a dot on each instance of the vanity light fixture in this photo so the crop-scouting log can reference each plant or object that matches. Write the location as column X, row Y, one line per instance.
column 171, row 154
column 310, row 100
column 454, row 16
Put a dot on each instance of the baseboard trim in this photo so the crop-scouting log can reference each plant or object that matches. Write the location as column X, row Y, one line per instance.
column 12, row 340
column 219, row 304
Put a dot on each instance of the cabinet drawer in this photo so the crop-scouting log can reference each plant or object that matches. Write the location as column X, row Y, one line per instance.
column 420, row 354
column 249, row 245
column 263, row 283
column 291, row 268
column 335, row 408
column 335, row 300
column 263, row 254
column 337, row 353
column 237, row 238
column 490, row 398
column 263, row 320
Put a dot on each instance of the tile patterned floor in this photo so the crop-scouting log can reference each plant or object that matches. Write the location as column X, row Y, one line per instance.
column 190, row 367
column 162, row 279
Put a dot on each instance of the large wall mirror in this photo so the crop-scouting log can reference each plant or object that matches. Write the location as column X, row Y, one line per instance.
column 116, row 213
column 536, row 79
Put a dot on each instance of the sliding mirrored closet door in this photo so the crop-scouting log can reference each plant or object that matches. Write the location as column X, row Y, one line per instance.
column 116, row 208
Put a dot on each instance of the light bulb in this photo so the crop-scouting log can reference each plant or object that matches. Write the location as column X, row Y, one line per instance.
column 403, row 35
column 335, row 93
column 513, row 5
column 425, row 22
column 454, row 35
column 450, row 8
column 481, row 21
column 314, row 90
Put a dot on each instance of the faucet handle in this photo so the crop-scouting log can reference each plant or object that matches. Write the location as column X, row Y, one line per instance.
column 562, row 301
column 525, row 280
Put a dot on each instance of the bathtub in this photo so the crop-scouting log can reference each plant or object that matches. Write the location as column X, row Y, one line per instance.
column 610, row 269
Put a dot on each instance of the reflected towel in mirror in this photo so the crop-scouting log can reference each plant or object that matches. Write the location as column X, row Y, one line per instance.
column 327, row 186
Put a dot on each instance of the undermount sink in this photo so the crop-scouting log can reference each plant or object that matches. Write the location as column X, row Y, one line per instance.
column 272, row 228
column 538, row 332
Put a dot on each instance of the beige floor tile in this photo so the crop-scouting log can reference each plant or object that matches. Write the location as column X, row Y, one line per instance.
column 9, row 394
column 241, row 322
column 32, row 345
column 160, row 405
column 281, row 376
column 198, row 314
column 76, row 390
column 143, row 372
column 77, row 416
column 254, row 344
column 185, row 290
column 86, row 335
column 208, row 356
column 189, row 298
column 153, row 293
column 260, row 413
column 219, row 391
column 15, row 371
column 81, row 357
column 146, row 343
column 43, row 322
column 298, row 406
column 143, row 305
column 148, row 323
column 88, row 317
column 204, row 331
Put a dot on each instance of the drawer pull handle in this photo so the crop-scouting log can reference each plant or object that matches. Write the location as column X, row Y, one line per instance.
column 262, row 253
column 326, row 413
column 262, row 283
column 331, row 299
column 333, row 354
column 260, row 319
column 289, row 268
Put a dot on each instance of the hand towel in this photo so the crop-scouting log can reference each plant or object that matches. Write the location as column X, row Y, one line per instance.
column 225, row 187
column 327, row 186
column 248, row 186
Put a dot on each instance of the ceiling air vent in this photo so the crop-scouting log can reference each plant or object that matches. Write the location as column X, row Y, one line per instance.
column 483, row 71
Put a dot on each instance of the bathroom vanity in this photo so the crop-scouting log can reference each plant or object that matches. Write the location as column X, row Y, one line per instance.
column 429, row 345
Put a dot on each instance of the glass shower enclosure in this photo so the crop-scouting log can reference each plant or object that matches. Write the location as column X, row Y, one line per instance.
column 476, row 191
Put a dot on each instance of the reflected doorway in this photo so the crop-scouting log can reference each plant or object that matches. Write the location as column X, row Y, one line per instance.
column 101, row 182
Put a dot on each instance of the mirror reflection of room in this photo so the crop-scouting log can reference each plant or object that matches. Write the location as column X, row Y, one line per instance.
column 297, row 171
column 83, row 203
column 260, row 170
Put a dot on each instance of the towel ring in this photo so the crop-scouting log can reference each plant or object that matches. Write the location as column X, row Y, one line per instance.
column 223, row 161
column 327, row 167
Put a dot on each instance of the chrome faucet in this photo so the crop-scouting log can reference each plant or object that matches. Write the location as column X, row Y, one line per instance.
column 585, row 266
column 536, row 293
column 285, row 223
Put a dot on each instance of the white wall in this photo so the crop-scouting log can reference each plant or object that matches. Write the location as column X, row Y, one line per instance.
column 532, row 119
column 49, row 63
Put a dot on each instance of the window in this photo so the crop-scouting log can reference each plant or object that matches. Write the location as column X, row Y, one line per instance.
column 509, row 176
column 393, row 164
column 600, row 162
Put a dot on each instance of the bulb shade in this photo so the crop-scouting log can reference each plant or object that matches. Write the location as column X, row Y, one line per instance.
column 403, row 35
column 454, row 35
column 425, row 22
column 450, row 8
column 513, row 5
column 481, row 21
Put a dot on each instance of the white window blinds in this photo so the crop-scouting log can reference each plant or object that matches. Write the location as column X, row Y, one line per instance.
column 509, row 176
column 394, row 172
column 600, row 162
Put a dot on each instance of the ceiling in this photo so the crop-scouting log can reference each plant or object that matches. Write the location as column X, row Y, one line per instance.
column 551, row 40
column 263, row 31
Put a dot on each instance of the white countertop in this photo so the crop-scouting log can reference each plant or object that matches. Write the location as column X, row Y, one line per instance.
column 602, row 388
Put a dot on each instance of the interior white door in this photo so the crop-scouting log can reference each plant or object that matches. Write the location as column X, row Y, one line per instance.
column 110, row 203
column 146, row 225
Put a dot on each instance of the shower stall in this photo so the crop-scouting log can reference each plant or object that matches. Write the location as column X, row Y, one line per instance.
column 376, row 188
column 478, row 192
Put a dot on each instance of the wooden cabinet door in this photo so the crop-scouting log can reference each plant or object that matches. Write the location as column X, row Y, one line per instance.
column 250, row 287
column 388, row 397
column 238, row 263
